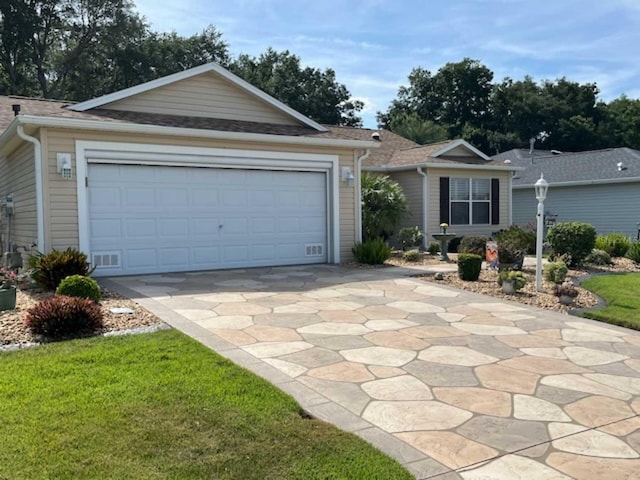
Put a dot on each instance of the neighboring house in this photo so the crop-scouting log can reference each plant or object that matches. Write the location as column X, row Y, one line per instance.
column 447, row 182
column 197, row 170
column 600, row 187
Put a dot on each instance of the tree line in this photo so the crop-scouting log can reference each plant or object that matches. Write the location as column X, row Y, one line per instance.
column 80, row 49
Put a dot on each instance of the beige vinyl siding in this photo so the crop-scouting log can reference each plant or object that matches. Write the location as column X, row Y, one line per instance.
column 17, row 176
column 206, row 95
column 61, row 217
column 434, row 200
column 411, row 183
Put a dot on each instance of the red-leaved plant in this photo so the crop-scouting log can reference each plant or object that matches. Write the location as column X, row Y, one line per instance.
column 61, row 316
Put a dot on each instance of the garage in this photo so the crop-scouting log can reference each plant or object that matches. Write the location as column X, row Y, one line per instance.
column 159, row 218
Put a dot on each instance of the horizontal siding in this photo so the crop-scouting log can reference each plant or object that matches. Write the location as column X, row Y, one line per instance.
column 411, row 183
column 62, row 215
column 609, row 208
column 206, row 95
column 461, row 230
column 17, row 176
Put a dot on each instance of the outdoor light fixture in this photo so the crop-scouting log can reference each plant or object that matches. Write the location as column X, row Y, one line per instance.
column 64, row 165
column 348, row 177
column 541, row 187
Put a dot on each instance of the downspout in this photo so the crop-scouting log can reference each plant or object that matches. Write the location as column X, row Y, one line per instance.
column 358, row 175
column 425, row 209
column 37, row 155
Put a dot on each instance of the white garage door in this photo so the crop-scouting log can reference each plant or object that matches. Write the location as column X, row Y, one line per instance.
column 152, row 219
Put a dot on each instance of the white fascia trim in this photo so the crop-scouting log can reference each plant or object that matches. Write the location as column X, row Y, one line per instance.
column 458, row 143
column 578, row 183
column 81, row 124
column 176, row 77
column 37, row 156
column 115, row 152
column 453, row 166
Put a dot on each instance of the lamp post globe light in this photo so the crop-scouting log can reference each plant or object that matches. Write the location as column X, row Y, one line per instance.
column 541, row 187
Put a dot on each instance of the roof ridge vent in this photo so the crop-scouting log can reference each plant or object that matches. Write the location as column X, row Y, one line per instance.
column 376, row 136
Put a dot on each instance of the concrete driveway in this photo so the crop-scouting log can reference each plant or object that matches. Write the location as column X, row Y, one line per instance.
column 452, row 384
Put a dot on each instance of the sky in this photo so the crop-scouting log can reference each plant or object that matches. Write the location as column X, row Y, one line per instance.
column 374, row 44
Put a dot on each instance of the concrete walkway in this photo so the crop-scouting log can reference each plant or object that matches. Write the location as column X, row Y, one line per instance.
column 452, row 384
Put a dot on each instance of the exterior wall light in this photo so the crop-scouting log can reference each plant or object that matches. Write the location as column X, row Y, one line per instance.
column 348, row 177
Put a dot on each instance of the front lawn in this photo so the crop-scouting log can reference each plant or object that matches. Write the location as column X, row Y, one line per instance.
column 161, row 406
column 621, row 294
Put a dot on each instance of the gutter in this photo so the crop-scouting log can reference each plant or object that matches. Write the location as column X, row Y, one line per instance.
column 37, row 155
column 359, row 161
column 425, row 207
column 583, row 182
column 97, row 125
column 453, row 166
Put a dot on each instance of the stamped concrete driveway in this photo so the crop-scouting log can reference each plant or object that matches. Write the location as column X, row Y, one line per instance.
column 452, row 384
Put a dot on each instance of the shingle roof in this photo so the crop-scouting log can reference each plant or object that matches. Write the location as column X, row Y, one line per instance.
column 595, row 165
column 518, row 154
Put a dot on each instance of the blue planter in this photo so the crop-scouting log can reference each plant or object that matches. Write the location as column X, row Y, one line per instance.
column 8, row 298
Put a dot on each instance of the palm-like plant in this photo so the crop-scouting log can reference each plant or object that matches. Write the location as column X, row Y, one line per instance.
column 383, row 206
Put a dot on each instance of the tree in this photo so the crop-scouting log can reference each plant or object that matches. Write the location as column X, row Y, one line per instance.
column 310, row 91
column 620, row 122
column 411, row 126
column 383, row 206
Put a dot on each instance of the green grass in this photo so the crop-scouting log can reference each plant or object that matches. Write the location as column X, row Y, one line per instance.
column 621, row 294
column 161, row 406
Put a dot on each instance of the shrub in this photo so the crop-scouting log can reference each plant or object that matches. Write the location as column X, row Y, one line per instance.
column 412, row 256
column 566, row 289
column 634, row 252
column 511, row 254
column 453, row 244
column 615, row 244
column 79, row 286
column 49, row 269
column 372, row 252
column 61, row 316
column 555, row 272
column 469, row 266
column 434, row 248
column 575, row 238
column 598, row 257
column 518, row 278
column 383, row 206
column 522, row 238
column 410, row 237
column 473, row 244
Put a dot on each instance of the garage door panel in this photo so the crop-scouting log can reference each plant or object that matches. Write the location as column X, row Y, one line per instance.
column 161, row 219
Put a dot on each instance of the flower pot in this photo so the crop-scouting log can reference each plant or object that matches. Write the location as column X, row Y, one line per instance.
column 508, row 287
column 8, row 298
column 565, row 299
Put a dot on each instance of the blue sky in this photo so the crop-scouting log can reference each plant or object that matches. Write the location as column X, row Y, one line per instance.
column 373, row 44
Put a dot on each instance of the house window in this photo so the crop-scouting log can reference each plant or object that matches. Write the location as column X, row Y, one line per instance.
column 470, row 201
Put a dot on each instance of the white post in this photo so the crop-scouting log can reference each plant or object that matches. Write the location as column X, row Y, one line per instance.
column 539, row 234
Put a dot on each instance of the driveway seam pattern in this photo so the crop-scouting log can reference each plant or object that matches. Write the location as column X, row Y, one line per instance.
column 452, row 384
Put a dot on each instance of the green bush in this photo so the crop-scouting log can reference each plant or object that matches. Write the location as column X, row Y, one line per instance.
column 79, row 286
column 383, row 206
column 61, row 317
column 410, row 237
column 518, row 278
column 521, row 238
column 411, row 256
column 511, row 253
column 434, row 248
column 49, row 269
column 473, row 244
column 469, row 266
column 454, row 243
column 598, row 257
column 615, row 244
column 574, row 238
column 555, row 272
column 372, row 252
column 634, row 252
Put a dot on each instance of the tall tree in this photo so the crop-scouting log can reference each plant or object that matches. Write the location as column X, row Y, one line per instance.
column 411, row 126
column 311, row 91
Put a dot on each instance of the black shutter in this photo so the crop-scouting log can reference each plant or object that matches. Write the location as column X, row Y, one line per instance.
column 444, row 200
column 495, row 201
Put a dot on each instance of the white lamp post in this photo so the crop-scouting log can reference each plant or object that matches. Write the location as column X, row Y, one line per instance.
column 541, row 187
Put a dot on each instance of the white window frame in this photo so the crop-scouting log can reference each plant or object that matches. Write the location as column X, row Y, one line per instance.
column 469, row 202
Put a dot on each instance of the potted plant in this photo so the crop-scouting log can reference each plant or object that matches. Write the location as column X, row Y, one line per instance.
column 565, row 293
column 8, row 280
column 511, row 281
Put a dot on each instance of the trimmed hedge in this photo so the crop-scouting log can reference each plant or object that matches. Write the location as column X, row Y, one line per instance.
column 469, row 266
column 81, row 287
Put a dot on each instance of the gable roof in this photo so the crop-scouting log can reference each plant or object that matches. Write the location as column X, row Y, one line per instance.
column 580, row 168
column 517, row 155
column 192, row 72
